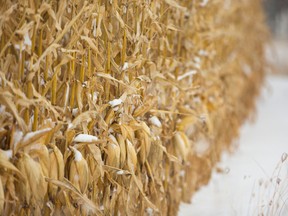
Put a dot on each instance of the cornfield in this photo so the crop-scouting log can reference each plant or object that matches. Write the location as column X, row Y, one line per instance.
column 121, row 107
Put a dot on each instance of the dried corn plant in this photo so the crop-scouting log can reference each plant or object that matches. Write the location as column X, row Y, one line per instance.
column 121, row 107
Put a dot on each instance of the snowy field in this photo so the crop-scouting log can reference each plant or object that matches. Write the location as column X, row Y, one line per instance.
column 255, row 181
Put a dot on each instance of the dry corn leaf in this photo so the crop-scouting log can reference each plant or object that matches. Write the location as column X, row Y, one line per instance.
column 32, row 189
column 2, row 197
column 78, row 170
column 56, row 168
column 65, row 184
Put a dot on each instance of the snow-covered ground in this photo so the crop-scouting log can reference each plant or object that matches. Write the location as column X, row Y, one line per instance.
column 256, row 177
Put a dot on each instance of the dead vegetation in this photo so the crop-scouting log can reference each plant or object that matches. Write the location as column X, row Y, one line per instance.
column 121, row 107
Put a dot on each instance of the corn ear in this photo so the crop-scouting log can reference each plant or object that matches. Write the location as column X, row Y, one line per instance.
column 56, row 168
column 113, row 152
column 123, row 151
column 182, row 144
column 31, row 190
column 78, row 170
column 131, row 156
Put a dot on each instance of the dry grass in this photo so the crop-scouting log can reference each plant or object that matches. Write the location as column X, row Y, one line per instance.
column 269, row 196
column 160, row 87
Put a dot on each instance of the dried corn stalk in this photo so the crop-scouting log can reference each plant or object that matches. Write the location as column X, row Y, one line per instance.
column 120, row 107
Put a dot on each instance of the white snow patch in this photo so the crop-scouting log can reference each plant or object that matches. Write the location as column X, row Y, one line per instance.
column 149, row 211
column 8, row 153
column 27, row 40
column 203, row 53
column 115, row 102
column 2, row 108
column 17, row 46
column 35, row 133
column 77, row 154
column 120, row 172
column 125, row 66
column 42, row 82
column 75, row 111
column 17, row 137
column 197, row 59
column 95, row 97
column 182, row 173
column 49, row 204
column 85, row 138
column 204, row 3
column 84, row 84
column 196, row 100
column 155, row 121
column 70, row 125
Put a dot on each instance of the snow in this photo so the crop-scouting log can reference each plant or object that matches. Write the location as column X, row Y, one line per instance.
column 204, row 3
column 149, row 211
column 8, row 153
column 125, row 66
column 85, row 138
column 256, row 180
column 17, row 137
column 2, row 108
column 27, row 40
column 77, row 154
column 182, row 173
column 120, row 172
column 115, row 102
column 203, row 53
column 197, row 59
column 155, row 121
column 70, row 125
column 95, row 97
column 75, row 111
column 35, row 133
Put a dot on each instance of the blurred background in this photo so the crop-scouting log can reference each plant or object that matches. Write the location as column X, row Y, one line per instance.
column 277, row 19
column 254, row 180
